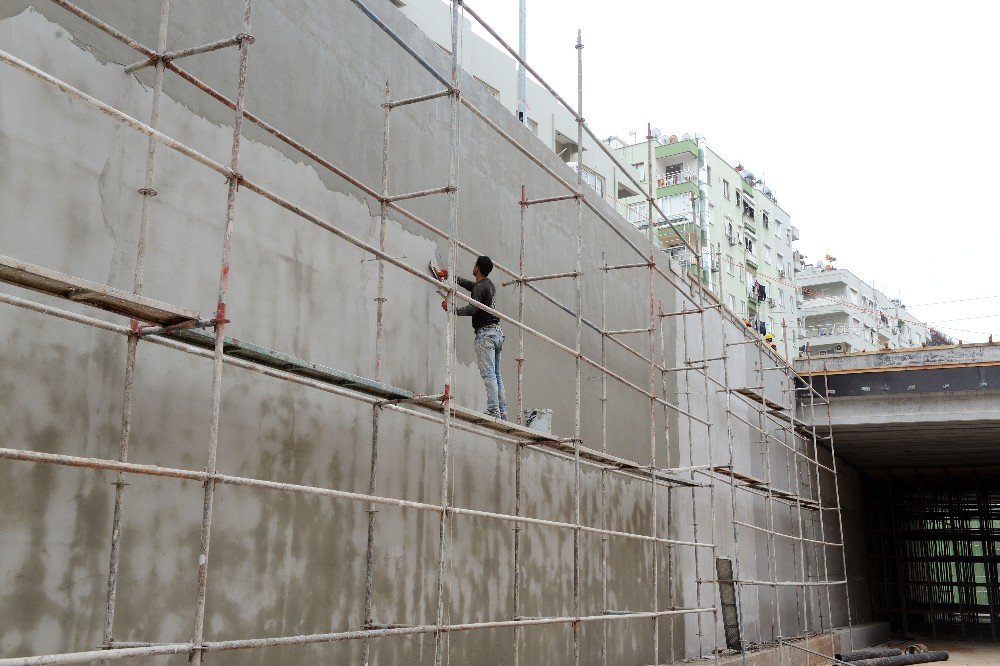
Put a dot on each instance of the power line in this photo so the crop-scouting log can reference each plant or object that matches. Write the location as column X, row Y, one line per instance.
column 945, row 321
column 958, row 300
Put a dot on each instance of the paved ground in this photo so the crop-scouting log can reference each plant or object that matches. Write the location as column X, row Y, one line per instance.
column 964, row 653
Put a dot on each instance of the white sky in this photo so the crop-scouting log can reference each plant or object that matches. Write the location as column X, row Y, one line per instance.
column 875, row 123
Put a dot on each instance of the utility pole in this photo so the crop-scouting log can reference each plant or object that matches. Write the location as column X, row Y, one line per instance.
column 522, row 47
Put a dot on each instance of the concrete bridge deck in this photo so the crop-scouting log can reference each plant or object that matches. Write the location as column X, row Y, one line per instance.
column 913, row 407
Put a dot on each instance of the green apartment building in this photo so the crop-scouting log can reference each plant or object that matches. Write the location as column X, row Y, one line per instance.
column 732, row 219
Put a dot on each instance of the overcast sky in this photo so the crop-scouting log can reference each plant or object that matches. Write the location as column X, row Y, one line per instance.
column 875, row 123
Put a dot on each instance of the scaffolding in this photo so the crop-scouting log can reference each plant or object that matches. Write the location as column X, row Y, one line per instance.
column 698, row 482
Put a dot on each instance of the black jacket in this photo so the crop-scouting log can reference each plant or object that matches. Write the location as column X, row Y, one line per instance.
column 483, row 291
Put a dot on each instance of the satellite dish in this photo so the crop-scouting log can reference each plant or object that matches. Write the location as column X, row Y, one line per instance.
column 686, row 137
column 656, row 132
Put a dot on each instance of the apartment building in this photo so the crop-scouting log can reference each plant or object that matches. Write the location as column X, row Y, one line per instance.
column 841, row 313
column 732, row 219
column 545, row 117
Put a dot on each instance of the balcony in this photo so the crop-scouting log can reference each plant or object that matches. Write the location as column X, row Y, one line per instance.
column 678, row 148
column 815, row 307
column 682, row 187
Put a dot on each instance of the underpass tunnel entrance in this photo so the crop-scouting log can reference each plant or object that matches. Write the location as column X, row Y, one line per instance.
column 934, row 550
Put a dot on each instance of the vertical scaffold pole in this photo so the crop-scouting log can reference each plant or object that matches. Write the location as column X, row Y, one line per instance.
column 711, row 465
column 522, row 50
column 840, row 517
column 822, row 527
column 670, row 495
column 577, row 431
column 652, row 402
column 732, row 491
column 379, row 352
column 605, row 541
column 147, row 193
column 772, row 555
column 520, row 310
column 449, row 348
column 220, row 325
column 704, row 370
column 523, row 205
column 691, row 461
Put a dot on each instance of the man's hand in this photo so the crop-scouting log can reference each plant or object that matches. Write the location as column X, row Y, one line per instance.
column 444, row 305
column 442, row 273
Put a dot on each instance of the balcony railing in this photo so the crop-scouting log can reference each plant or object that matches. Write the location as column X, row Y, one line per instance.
column 828, row 331
column 676, row 178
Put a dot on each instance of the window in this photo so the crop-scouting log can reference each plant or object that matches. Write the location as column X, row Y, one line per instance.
column 636, row 212
column 490, row 89
column 765, row 219
column 739, row 200
column 729, row 265
column 594, row 179
column 749, row 245
column 767, row 253
column 641, row 168
column 725, row 188
column 533, row 126
column 708, row 175
column 732, row 302
column 777, row 228
column 781, row 298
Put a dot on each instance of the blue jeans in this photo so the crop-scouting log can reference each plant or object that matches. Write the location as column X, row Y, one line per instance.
column 489, row 342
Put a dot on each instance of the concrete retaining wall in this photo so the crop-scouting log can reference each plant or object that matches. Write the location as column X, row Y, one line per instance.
column 282, row 564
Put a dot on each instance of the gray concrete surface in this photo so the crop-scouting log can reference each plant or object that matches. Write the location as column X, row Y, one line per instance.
column 281, row 564
column 862, row 635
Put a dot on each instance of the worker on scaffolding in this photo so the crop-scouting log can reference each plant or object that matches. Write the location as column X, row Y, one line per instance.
column 489, row 335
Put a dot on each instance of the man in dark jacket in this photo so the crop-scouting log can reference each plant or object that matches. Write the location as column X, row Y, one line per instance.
column 489, row 336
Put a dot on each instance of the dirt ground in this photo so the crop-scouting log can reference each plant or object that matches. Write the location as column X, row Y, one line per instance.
column 963, row 653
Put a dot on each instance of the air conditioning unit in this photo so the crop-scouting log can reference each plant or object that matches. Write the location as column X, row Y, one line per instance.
column 823, row 352
column 716, row 264
column 838, row 348
column 781, row 272
column 770, row 301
